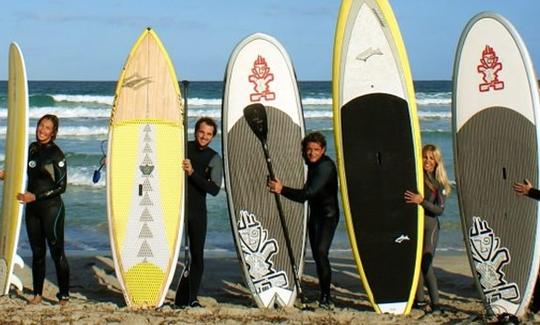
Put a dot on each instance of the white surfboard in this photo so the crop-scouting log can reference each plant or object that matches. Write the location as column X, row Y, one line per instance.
column 260, row 71
column 496, row 143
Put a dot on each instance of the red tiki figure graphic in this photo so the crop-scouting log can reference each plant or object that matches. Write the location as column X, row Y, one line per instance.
column 489, row 68
column 261, row 79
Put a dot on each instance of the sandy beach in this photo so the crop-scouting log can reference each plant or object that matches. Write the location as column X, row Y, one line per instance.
column 97, row 298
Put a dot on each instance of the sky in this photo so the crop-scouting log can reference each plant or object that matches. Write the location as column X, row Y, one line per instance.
column 90, row 40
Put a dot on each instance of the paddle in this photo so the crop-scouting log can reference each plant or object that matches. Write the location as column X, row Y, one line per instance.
column 182, row 299
column 255, row 115
column 97, row 173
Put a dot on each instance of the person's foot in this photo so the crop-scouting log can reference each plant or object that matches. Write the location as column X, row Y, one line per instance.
column 62, row 299
column 36, row 300
column 420, row 304
column 326, row 303
column 436, row 309
column 195, row 304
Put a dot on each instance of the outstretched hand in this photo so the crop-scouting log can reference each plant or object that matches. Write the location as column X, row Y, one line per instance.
column 522, row 188
column 411, row 197
column 2, row 175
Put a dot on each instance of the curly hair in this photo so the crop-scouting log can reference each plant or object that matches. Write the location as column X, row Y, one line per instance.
column 316, row 137
column 208, row 121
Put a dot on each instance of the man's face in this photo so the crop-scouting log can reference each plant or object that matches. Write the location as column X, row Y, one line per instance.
column 204, row 135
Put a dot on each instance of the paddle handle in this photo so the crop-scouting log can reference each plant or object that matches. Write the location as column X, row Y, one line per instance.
column 282, row 221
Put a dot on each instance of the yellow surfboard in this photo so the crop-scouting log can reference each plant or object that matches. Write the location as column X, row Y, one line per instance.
column 16, row 153
column 145, row 182
column 378, row 152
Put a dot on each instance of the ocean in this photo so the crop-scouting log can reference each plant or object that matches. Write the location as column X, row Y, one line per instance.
column 84, row 109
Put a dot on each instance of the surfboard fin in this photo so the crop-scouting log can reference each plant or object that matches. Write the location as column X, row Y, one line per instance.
column 17, row 260
column 14, row 280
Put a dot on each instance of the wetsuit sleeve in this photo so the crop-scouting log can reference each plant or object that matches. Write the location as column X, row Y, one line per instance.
column 59, row 167
column 435, row 208
column 534, row 193
column 213, row 184
column 314, row 185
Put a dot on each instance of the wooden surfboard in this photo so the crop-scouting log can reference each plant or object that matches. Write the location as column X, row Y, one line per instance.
column 145, row 181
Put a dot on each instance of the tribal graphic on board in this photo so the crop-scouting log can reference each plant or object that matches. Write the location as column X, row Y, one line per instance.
column 258, row 251
column 489, row 259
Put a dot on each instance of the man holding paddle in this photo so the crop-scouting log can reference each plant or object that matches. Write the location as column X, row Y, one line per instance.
column 204, row 170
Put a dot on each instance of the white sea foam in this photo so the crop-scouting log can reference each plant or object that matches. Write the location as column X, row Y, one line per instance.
column 83, row 99
column 64, row 112
column 434, row 99
column 71, row 131
column 82, row 176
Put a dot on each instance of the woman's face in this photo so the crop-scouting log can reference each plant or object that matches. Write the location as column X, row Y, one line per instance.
column 429, row 162
column 45, row 131
column 313, row 152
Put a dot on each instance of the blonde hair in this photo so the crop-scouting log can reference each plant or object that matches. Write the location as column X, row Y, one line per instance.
column 440, row 171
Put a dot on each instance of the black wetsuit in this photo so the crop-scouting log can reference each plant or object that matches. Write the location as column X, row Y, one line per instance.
column 534, row 193
column 433, row 205
column 206, row 178
column 47, row 179
column 320, row 191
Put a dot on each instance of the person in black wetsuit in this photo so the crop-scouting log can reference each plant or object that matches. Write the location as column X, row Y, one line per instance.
column 320, row 191
column 526, row 189
column 436, row 188
column 204, row 169
column 47, row 179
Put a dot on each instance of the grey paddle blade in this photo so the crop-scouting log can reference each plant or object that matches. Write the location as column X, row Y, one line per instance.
column 255, row 115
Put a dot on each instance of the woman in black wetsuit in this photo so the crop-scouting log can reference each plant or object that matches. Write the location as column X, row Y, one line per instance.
column 47, row 179
column 320, row 191
column 436, row 188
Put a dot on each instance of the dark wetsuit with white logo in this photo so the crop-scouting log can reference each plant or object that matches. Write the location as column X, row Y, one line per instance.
column 320, row 191
column 433, row 205
column 47, row 179
column 206, row 178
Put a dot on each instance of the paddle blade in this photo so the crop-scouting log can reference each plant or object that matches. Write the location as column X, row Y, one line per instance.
column 96, row 177
column 255, row 115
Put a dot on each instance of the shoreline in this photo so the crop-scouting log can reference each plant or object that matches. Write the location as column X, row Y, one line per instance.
column 97, row 298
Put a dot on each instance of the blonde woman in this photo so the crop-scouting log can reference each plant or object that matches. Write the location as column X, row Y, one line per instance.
column 436, row 189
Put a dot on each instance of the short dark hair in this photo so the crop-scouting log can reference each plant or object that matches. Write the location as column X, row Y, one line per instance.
column 55, row 122
column 208, row 121
column 316, row 137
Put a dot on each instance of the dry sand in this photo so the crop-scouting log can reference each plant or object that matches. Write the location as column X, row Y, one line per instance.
column 97, row 298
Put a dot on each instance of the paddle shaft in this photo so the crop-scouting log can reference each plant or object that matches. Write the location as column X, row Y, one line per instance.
column 187, row 256
column 282, row 220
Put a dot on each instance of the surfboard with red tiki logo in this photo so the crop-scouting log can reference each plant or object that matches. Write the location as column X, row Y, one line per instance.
column 260, row 71
column 496, row 139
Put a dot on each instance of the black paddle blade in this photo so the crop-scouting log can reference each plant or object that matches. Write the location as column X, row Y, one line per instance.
column 255, row 115
column 96, row 177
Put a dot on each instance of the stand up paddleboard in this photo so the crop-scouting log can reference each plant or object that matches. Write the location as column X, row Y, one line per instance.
column 378, row 152
column 145, row 181
column 495, row 122
column 16, row 156
column 260, row 72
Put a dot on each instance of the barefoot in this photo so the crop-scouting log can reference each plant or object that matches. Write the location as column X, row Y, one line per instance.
column 35, row 300
column 63, row 302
